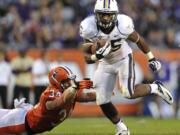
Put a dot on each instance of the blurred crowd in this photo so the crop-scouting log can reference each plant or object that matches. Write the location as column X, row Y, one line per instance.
column 55, row 23
column 157, row 20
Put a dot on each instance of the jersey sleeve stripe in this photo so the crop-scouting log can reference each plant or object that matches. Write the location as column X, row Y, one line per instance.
column 130, row 78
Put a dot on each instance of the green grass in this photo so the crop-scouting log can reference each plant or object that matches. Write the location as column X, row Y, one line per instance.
column 101, row 126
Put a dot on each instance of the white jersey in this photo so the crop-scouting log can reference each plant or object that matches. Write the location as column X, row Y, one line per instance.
column 118, row 36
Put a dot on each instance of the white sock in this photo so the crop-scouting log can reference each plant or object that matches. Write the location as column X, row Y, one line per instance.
column 121, row 125
column 154, row 88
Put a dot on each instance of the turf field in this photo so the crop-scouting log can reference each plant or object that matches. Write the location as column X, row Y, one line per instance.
column 101, row 126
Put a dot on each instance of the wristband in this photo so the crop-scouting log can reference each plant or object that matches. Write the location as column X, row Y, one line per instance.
column 149, row 55
column 94, row 58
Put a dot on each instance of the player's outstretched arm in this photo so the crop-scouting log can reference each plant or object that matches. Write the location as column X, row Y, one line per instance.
column 68, row 96
column 139, row 40
column 144, row 47
column 86, row 93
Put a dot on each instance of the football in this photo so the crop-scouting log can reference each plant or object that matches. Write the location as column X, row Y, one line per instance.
column 98, row 44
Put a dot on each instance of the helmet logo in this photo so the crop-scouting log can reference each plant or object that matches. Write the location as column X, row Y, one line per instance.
column 54, row 76
column 106, row 4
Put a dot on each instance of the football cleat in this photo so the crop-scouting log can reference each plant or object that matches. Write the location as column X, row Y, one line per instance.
column 164, row 93
column 123, row 132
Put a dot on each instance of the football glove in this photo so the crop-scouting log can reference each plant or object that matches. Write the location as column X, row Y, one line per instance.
column 103, row 51
column 85, row 84
column 20, row 103
column 154, row 65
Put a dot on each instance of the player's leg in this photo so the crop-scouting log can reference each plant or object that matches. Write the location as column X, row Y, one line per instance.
column 25, row 91
column 4, row 96
column 4, row 112
column 112, row 114
column 129, row 90
column 13, row 121
column 155, row 88
column 104, row 85
column 16, row 94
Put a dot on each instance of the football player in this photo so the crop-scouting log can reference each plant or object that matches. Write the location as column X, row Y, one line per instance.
column 105, row 34
column 55, row 105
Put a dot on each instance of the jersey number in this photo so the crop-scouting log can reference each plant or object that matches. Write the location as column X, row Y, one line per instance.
column 63, row 115
column 116, row 44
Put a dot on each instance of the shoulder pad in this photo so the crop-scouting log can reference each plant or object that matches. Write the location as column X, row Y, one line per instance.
column 125, row 24
column 88, row 28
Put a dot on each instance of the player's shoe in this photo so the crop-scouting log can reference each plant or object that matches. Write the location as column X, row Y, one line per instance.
column 164, row 93
column 123, row 132
column 122, row 129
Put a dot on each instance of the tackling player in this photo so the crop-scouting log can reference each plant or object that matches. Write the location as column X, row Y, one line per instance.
column 105, row 35
column 56, row 104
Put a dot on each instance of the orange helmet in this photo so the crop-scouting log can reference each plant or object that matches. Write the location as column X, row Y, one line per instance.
column 60, row 76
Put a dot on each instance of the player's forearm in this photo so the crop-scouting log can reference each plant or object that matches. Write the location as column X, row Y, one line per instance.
column 68, row 96
column 145, row 49
column 141, row 43
column 143, row 46
column 86, row 96
column 88, row 58
column 87, row 49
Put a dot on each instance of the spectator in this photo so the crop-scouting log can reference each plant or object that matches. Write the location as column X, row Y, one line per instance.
column 5, row 73
column 51, row 18
column 32, row 30
column 24, row 9
column 22, row 69
column 70, row 37
column 170, row 38
column 40, row 72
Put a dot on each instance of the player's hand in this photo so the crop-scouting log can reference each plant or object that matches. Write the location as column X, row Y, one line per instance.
column 103, row 51
column 18, row 103
column 85, row 84
column 154, row 65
